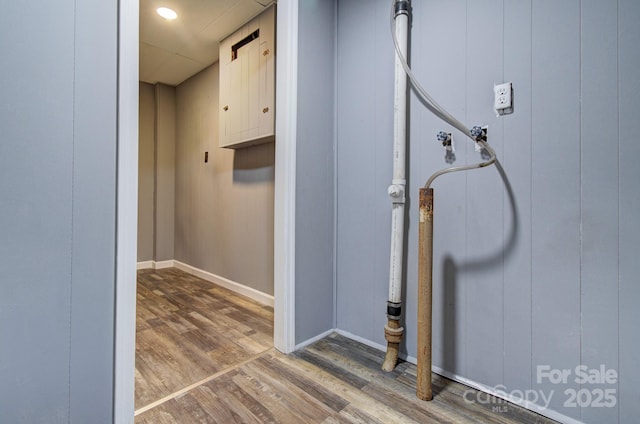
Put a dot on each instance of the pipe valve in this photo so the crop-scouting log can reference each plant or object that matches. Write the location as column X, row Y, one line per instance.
column 479, row 133
column 443, row 136
column 446, row 140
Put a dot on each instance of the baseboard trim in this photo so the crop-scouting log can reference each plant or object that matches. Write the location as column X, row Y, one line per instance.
column 156, row 265
column 145, row 265
column 314, row 339
column 554, row 415
column 165, row 264
column 365, row 342
column 258, row 296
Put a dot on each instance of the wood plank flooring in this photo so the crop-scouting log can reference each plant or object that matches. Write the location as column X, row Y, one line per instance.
column 188, row 329
column 335, row 380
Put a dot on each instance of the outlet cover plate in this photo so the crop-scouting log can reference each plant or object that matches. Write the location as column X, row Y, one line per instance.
column 503, row 98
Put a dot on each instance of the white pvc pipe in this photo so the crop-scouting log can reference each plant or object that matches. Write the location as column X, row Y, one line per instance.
column 393, row 330
column 398, row 184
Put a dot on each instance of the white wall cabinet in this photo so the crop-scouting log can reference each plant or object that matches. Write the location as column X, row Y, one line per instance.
column 247, row 83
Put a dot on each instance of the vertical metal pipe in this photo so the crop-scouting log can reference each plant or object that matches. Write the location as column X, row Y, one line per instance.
column 393, row 329
column 425, row 273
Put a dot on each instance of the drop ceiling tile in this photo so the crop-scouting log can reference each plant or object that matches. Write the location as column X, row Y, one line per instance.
column 204, row 51
column 151, row 59
column 176, row 70
column 234, row 18
column 192, row 40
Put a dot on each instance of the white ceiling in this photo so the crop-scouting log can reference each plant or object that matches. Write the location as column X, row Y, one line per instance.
column 172, row 51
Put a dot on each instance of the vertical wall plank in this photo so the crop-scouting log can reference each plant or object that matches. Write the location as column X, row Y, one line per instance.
column 440, row 67
column 94, row 213
column 359, row 136
column 314, row 176
column 165, row 177
column 599, row 181
column 516, row 159
column 629, row 229
column 36, row 171
column 484, row 196
column 57, row 214
column 146, row 171
column 556, row 192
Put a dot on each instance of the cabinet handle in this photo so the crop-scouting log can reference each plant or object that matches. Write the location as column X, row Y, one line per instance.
column 266, row 52
column 265, row 110
column 226, row 108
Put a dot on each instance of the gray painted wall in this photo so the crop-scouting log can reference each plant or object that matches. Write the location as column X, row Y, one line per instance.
column 57, row 215
column 146, row 171
column 165, row 153
column 156, row 172
column 535, row 267
column 224, row 208
column 315, row 153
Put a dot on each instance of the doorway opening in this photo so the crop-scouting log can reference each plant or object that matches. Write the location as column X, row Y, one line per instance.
column 284, row 204
column 206, row 215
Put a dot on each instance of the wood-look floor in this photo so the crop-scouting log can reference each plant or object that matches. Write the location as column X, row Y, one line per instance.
column 188, row 329
column 335, row 380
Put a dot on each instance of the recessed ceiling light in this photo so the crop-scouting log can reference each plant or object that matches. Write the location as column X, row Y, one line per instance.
column 167, row 13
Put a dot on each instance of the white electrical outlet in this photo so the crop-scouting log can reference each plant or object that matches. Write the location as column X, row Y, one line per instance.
column 503, row 97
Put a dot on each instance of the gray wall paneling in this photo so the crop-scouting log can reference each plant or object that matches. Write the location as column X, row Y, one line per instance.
column 253, row 185
column 196, row 182
column 315, row 170
column 555, row 192
column 450, row 209
column 363, row 231
column 223, row 208
column 165, row 168
column 94, row 213
column 483, row 259
column 146, row 172
column 600, row 195
column 36, row 165
column 57, row 217
column 542, row 276
column 156, row 172
column 629, row 205
column 517, row 163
